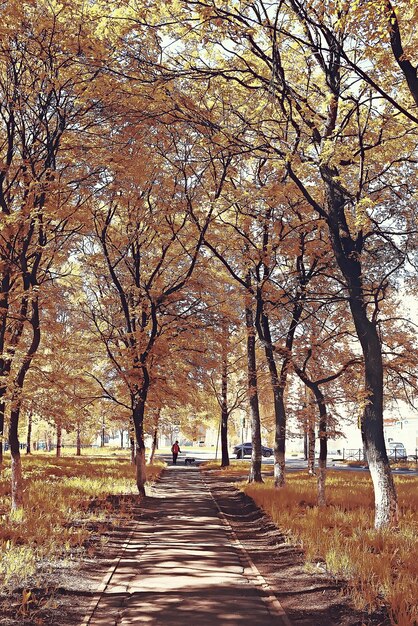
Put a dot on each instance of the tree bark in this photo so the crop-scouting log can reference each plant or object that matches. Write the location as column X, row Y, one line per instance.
column 16, row 469
column 102, row 434
column 29, row 434
column 132, row 448
column 121, row 438
column 347, row 254
column 78, row 441
column 255, row 468
column 16, row 475
column 59, row 439
column 139, row 398
column 224, row 412
column 323, row 444
column 2, row 409
column 311, row 445
column 154, row 445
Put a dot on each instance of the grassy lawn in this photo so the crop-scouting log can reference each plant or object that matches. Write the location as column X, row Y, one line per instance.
column 379, row 567
column 58, row 516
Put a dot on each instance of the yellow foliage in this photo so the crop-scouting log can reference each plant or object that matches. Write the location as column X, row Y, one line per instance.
column 56, row 518
column 375, row 564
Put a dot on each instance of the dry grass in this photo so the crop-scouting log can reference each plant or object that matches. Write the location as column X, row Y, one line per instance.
column 58, row 515
column 380, row 567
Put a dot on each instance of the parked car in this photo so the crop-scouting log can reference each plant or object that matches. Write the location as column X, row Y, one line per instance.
column 245, row 449
column 396, row 451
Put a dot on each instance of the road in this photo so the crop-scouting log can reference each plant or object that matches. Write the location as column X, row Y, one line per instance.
column 292, row 464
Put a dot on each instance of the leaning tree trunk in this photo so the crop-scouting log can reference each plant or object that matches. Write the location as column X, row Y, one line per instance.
column 224, row 412
column 255, row 469
column 347, row 253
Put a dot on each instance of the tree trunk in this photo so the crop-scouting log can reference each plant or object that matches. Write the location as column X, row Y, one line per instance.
column 138, row 403
column 78, row 442
column 59, row 439
column 154, row 445
column 4, row 306
column 121, row 438
column 310, row 424
column 132, row 448
column 141, row 472
column 255, row 469
column 224, row 412
column 29, row 434
column 16, row 475
column 16, row 469
column 348, row 257
column 102, row 434
column 2, row 409
column 323, row 444
column 278, row 382
column 278, row 396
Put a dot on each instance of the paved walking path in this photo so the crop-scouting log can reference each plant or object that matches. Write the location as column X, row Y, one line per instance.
column 183, row 566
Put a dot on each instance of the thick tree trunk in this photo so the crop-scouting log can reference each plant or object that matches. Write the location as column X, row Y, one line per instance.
column 132, row 449
column 78, row 441
column 59, row 440
column 323, row 445
column 279, row 406
column 224, row 412
column 4, row 305
column 347, row 253
column 16, row 477
column 29, row 434
column 138, row 403
column 2, row 409
column 10, row 349
column 16, row 469
column 141, row 471
column 311, row 451
column 255, row 469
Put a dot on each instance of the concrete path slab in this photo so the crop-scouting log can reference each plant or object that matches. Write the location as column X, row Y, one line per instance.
column 183, row 566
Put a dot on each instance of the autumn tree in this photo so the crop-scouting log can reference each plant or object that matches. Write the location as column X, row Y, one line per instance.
column 143, row 252
column 339, row 149
column 46, row 121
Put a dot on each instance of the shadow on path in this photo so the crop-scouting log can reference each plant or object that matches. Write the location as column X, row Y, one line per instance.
column 181, row 566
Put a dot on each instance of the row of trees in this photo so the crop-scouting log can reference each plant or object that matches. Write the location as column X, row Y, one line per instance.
column 211, row 191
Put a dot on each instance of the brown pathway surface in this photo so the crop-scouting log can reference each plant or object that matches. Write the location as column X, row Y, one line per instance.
column 184, row 566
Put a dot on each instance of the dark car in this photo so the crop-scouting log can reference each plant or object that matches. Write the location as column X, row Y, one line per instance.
column 245, row 449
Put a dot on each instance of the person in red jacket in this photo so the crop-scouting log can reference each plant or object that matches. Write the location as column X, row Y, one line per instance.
column 175, row 449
